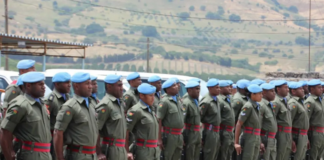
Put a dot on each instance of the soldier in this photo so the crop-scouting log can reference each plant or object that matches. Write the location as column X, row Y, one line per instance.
column 284, row 139
column 239, row 99
column 28, row 120
column 157, row 83
column 179, row 88
column 171, row 117
column 94, row 89
column 131, row 96
column 257, row 81
column 192, row 79
column 192, row 137
column 322, row 89
column 111, row 121
column 211, row 118
column 269, row 123
column 13, row 90
column 299, row 117
column 228, row 121
column 315, row 110
column 62, row 85
column 76, row 124
column 234, row 89
column 249, row 119
column 306, row 91
column 144, row 124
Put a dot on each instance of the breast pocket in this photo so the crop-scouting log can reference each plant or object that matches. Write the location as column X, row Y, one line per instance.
column 81, row 119
column 115, row 116
column 146, row 121
column 213, row 109
column 173, row 110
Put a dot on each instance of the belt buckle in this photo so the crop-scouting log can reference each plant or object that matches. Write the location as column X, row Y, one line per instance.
column 210, row 127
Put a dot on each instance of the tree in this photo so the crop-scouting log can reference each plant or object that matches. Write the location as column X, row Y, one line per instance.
column 220, row 10
column 55, row 4
column 202, row 8
column 125, row 67
column 191, row 8
column 40, row 6
column 302, row 41
column 94, row 28
column 211, row 15
column 156, row 70
column 149, row 31
column 89, row 40
column 133, row 68
column 184, row 15
column 234, row 51
column 235, row 18
column 286, row 15
column 293, row 9
column 263, row 17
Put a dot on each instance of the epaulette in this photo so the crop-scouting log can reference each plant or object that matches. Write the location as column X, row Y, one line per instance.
column 50, row 98
column 11, row 86
column 70, row 103
column 18, row 100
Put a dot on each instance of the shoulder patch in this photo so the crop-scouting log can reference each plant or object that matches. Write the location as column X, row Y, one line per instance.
column 50, row 98
column 160, row 105
column 126, row 97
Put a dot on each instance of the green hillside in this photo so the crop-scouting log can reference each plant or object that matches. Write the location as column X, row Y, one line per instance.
column 221, row 37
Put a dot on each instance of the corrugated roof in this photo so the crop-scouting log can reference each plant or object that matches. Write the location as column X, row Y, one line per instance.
column 12, row 38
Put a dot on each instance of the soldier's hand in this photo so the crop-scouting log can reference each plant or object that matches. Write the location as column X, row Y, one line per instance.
column 13, row 155
column 102, row 157
column 160, row 144
column 238, row 149
column 130, row 156
column 293, row 147
column 262, row 148
column 308, row 145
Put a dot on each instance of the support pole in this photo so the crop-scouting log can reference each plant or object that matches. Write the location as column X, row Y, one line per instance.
column 83, row 62
column 309, row 36
column 7, row 28
column 148, row 56
column 0, row 50
column 44, row 57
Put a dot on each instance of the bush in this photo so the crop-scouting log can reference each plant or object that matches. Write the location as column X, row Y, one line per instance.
column 220, row 10
column 235, row 18
column 286, row 15
column 271, row 63
column 234, row 51
column 94, row 28
column 302, row 41
column 202, row 8
column 89, row 40
column 192, row 8
column 211, row 15
column 184, row 15
column 125, row 32
column 291, row 56
column 293, row 9
column 263, row 54
column 255, row 52
column 149, row 31
column 29, row 18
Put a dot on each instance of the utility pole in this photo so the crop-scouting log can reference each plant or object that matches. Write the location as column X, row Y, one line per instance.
column 309, row 36
column 148, row 56
column 7, row 28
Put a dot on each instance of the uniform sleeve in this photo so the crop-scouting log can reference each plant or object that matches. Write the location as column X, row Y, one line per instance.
column 53, row 108
column 203, row 110
column 162, row 110
column 10, row 94
column 103, row 112
column 187, row 111
column 132, row 118
column 128, row 101
column 293, row 110
column 309, row 108
column 245, row 113
column 14, row 115
column 276, row 107
column 237, row 106
column 64, row 117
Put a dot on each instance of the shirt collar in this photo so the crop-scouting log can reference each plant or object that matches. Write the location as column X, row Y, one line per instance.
column 214, row 98
column 81, row 99
column 147, row 106
column 174, row 98
column 32, row 100
column 94, row 95
column 113, row 98
column 86, row 100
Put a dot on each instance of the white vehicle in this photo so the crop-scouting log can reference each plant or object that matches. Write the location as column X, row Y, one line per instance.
column 7, row 77
column 144, row 76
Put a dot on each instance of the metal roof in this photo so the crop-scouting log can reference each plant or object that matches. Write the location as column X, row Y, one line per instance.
column 13, row 39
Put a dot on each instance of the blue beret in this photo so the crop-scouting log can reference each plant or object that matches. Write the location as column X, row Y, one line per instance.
column 212, row 82
column 25, row 64
column 168, row 83
column 230, row 82
column 257, row 81
column 132, row 76
column 195, row 79
column 146, row 89
column 192, row 84
column 304, row 83
column 112, row 78
column 234, row 86
column 243, row 83
column 273, row 82
column 175, row 79
column 280, row 82
column 80, row 77
column 32, row 77
column 267, row 86
column 154, row 78
column 254, row 88
column 295, row 85
column 19, row 81
column 322, row 83
column 61, row 77
column 93, row 78
column 224, row 83
column 314, row 82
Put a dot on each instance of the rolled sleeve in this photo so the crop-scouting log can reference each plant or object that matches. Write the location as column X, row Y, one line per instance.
column 63, row 118
column 131, row 118
column 245, row 112
column 13, row 117
column 162, row 110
